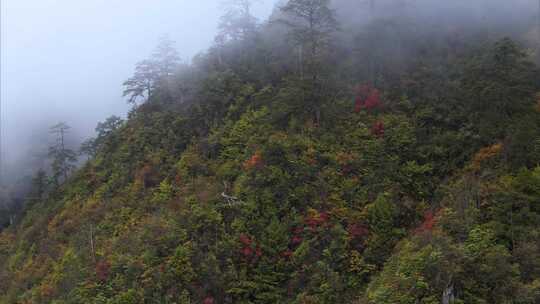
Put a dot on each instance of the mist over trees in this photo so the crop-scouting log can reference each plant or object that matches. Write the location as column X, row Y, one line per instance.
column 51, row 168
column 105, row 132
column 382, row 38
column 378, row 152
column 154, row 74
column 62, row 159
column 311, row 25
column 238, row 23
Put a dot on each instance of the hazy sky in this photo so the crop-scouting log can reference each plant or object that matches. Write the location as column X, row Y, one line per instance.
column 65, row 60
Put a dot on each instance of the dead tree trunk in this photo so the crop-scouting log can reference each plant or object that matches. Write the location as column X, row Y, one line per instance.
column 92, row 246
column 448, row 295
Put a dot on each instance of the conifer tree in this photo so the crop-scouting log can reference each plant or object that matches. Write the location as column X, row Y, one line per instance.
column 238, row 22
column 63, row 159
column 311, row 24
column 39, row 185
column 104, row 130
column 153, row 74
column 499, row 84
column 88, row 147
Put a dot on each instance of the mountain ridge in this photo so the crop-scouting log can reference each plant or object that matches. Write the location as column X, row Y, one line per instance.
column 410, row 179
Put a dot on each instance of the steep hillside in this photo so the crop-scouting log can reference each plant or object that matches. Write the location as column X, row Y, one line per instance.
column 408, row 179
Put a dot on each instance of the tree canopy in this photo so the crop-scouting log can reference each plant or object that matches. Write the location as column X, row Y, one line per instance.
column 393, row 161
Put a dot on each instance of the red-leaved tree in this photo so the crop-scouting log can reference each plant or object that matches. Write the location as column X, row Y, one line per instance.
column 314, row 221
column 430, row 220
column 102, row 270
column 249, row 250
column 208, row 300
column 357, row 230
column 367, row 98
column 378, row 129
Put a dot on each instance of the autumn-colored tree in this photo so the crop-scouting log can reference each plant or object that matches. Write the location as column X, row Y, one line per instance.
column 256, row 161
column 367, row 98
column 377, row 129
column 236, row 196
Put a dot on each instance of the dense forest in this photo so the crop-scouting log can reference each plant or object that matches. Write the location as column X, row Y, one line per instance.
column 381, row 151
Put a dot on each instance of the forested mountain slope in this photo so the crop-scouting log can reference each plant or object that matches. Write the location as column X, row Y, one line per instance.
column 351, row 165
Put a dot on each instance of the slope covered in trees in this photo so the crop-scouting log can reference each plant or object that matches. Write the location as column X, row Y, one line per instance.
column 316, row 158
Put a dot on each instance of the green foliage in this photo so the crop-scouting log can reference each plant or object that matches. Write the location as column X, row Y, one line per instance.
column 164, row 193
column 152, row 76
column 62, row 159
column 220, row 189
column 410, row 276
column 500, row 86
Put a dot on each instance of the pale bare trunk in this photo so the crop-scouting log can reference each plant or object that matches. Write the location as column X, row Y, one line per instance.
column 92, row 247
column 448, row 295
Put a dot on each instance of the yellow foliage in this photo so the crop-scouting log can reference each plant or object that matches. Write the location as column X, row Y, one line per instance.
column 357, row 264
column 341, row 213
column 344, row 158
column 485, row 154
column 6, row 241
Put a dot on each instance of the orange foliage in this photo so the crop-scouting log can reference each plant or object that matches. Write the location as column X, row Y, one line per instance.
column 311, row 156
column 430, row 220
column 254, row 162
column 148, row 176
column 344, row 158
column 46, row 290
column 485, row 154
